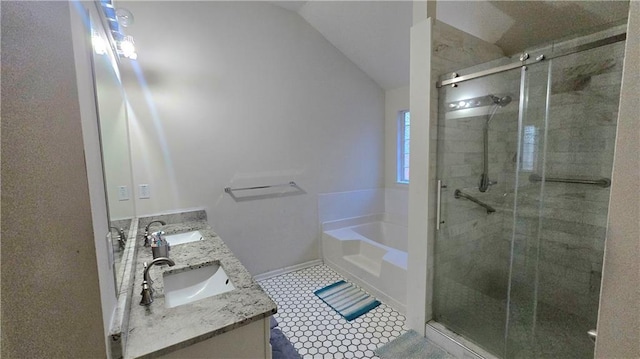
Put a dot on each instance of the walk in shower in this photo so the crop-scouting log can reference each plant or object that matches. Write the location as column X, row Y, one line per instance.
column 525, row 153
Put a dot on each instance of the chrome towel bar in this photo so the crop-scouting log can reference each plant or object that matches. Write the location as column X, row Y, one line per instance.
column 290, row 184
column 459, row 194
column 603, row 182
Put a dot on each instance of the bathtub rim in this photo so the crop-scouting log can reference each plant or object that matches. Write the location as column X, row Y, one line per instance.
column 352, row 222
column 385, row 217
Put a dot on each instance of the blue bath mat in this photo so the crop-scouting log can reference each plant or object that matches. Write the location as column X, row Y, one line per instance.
column 347, row 299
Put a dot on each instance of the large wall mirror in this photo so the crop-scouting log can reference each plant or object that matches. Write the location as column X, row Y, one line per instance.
column 114, row 138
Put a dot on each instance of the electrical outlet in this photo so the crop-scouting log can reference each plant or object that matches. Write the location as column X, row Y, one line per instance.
column 144, row 191
column 123, row 193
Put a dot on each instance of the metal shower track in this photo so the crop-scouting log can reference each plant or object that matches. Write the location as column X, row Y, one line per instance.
column 526, row 60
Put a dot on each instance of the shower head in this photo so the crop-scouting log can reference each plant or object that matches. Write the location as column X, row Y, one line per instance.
column 498, row 102
column 481, row 101
column 501, row 101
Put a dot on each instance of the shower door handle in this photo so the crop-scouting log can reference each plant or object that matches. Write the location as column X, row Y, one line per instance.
column 439, row 220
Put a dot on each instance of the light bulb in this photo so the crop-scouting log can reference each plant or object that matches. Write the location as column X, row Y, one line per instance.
column 127, row 47
column 99, row 45
column 125, row 17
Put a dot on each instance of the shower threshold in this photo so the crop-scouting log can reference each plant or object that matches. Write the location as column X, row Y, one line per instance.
column 454, row 343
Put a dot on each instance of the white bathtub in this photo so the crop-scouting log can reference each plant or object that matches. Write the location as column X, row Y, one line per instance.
column 372, row 254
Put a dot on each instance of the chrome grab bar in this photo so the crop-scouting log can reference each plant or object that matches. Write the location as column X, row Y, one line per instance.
column 603, row 182
column 290, row 184
column 459, row 194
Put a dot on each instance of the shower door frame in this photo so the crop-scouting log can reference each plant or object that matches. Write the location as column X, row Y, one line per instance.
column 520, row 73
column 453, row 79
column 526, row 59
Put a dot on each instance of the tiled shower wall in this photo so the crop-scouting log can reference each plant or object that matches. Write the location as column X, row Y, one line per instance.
column 471, row 249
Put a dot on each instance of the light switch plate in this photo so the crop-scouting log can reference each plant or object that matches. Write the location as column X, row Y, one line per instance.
column 144, row 191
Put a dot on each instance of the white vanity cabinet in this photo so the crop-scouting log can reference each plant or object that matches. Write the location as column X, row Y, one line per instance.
column 250, row 341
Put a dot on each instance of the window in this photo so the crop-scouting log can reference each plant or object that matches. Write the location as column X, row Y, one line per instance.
column 529, row 148
column 404, row 122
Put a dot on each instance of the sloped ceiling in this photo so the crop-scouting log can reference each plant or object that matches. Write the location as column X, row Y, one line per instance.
column 372, row 34
column 375, row 34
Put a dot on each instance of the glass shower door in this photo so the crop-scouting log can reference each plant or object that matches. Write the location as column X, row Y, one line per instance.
column 562, row 203
column 528, row 205
column 524, row 165
column 477, row 159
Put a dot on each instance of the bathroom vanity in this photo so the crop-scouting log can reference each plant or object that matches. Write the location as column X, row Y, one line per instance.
column 206, row 305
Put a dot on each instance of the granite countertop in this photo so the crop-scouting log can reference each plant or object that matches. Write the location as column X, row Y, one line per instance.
column 156, row 330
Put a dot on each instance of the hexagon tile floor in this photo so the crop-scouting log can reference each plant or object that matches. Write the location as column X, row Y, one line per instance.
column 316, row 330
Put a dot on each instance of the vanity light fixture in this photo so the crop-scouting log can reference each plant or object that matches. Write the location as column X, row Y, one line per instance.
column 126, row 45
column 118, row 19
column 124, row 16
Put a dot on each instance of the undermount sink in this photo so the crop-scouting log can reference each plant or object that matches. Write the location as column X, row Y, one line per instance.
column 182, row 238
column 189, row 285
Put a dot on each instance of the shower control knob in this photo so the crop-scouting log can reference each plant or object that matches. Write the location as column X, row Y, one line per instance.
column 524, row 56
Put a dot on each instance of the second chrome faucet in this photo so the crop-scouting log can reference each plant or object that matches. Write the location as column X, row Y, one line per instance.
column 147, row 289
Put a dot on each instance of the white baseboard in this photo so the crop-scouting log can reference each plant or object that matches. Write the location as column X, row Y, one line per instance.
column 281, row 271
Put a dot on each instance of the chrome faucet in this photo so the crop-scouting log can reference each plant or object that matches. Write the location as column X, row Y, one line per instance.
column 147, row 243
column 147, row 290
column 122, row 239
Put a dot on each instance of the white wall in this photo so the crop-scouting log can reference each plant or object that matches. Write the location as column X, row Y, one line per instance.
column 395, row 100
column 396, row 206
column 343, row 205
column 619, row 315
column 418, row 299
column 249, row 94
column 51, row 292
